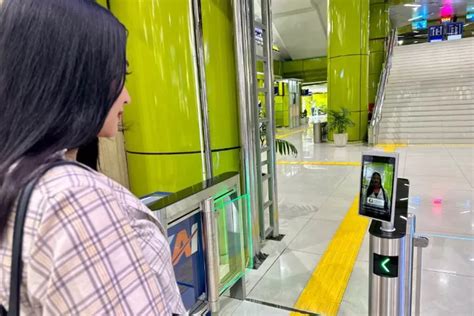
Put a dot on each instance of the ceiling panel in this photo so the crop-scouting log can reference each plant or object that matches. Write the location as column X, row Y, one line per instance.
column 299, row 27
column 283, row 6
column 302, row 35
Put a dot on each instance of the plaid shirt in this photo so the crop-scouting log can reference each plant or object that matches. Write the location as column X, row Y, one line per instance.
column 91, row 248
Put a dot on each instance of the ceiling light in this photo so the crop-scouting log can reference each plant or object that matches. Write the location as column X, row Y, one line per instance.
column 412, row 5
column 415, row 18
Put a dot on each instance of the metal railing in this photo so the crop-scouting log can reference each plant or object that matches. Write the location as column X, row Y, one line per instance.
column 413, row 280
column 377, row 112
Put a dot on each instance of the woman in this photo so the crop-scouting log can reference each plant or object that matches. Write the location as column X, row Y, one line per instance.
column 376, row 190
column 89, row 246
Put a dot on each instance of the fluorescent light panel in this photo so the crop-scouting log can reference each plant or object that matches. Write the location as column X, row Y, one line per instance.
column 415, row 18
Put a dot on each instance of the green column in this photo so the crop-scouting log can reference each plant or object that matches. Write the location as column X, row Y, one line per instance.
column 348, row 61
column 379, row 30
column 218, row 34
column 163, row 143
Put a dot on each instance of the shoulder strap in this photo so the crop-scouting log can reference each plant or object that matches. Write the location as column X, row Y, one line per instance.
column 23, row 201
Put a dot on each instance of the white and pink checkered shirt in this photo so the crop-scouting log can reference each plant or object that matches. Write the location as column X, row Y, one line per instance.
column 90, row 248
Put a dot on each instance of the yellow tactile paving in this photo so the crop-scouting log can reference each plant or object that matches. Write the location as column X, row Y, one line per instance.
column 325, row 289
column 320, row 163
column 393, row 147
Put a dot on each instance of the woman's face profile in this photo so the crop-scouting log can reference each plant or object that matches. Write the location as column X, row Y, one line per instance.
column 110, row 127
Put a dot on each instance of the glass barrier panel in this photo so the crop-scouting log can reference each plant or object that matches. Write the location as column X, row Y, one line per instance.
column 231, row 233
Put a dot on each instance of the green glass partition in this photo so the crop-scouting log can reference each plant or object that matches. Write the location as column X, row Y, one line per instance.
column 231, row 228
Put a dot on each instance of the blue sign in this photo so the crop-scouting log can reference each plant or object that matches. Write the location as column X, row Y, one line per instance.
column 259, row 35
column 435, row 33
column 419, row 25
column 454, row 30
column 470, row 17
column 187, row 255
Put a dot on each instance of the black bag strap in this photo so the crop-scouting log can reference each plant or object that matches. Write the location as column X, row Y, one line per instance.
column 16, row 272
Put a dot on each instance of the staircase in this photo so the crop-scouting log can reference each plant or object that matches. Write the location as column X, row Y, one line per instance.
column 429, row 97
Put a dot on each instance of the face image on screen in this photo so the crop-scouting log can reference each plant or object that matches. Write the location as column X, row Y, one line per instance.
column 377, row 183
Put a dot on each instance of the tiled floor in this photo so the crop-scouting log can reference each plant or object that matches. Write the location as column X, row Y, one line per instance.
column 313, row 201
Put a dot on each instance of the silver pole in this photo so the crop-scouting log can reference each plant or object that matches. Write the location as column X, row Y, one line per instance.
column 212, row 254
column 249, row 33
column 254, row 112
column 419, row 242
column 419, row 266
column 247, row 143
column 201, row 74
column 267, row 20
column 408, row 263
column 384, row 293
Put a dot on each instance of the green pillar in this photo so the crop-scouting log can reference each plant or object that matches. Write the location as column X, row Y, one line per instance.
column 218, row 34
column 348, row 61
column 163, row 143
column 379, row 30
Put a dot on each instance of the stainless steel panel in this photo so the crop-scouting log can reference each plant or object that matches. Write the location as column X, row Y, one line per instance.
column 188, row 205
column 385, row 246
column 201, row 74
column 247, row 137
column 384, row 293
column 270, row 104
column 212, row 254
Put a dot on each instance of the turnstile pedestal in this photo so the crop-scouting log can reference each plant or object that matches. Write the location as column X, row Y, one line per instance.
column 390, row 262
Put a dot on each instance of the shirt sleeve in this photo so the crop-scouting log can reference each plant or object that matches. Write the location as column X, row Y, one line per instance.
column 86, row 260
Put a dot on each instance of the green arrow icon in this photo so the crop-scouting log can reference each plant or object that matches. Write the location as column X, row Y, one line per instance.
column 383, row 264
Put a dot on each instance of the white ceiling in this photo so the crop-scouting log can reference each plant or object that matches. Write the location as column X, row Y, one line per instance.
column 299, row 27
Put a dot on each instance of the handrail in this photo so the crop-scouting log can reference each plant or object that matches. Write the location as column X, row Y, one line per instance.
column 377, row 113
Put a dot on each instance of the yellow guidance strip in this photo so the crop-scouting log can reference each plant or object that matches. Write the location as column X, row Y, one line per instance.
column 285, row 135
column 390, row 148
column 320, row 163
column 325, row 289
column 426, row 145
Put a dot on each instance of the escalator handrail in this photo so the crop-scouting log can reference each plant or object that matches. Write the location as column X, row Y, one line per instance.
column 377, row 112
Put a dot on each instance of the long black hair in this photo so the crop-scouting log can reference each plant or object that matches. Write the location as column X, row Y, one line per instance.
column 370, row 189
column 62, row 66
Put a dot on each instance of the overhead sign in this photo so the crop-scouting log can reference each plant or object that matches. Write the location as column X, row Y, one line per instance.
column 419, row 25
column 259, row 36
column 470, row 17
column 435, row 33
column 454, row 30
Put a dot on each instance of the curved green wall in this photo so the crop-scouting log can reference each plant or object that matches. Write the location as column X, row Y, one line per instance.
column 163, row 142
column 221, row 84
